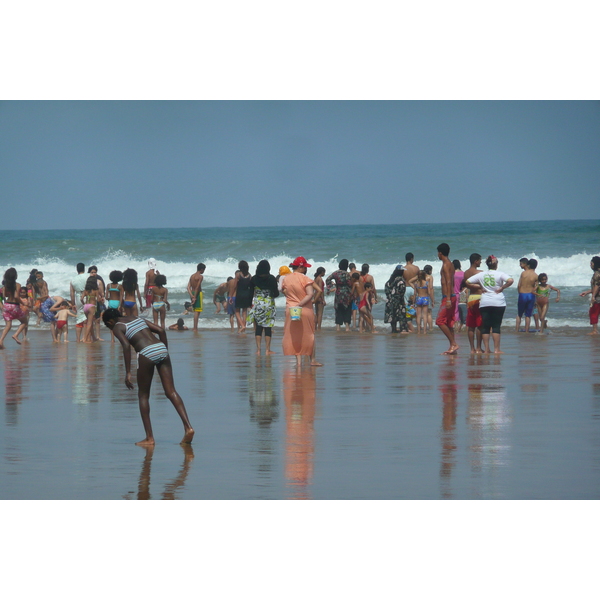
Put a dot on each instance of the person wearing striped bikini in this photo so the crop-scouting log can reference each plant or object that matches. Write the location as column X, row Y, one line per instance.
column 138, row 333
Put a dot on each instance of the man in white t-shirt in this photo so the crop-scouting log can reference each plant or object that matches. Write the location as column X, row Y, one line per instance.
column 77, row 287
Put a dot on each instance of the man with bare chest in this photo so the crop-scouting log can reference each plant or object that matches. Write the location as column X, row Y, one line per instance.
column 447, row 312
column 527, row 286
column 410, row 270
column 194, row 289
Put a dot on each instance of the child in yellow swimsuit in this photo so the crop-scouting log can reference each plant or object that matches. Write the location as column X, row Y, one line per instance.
column 542, row 294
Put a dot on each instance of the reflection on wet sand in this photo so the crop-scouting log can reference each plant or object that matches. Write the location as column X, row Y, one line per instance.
column 114, row 376
column 262, row 395
column 194, row 355
column 449, row 392
column 264, row 411
column 173, row 486
column 488, row 418
column 395, row 423
column 88, row 376
column 16, row 370
column 299, row 392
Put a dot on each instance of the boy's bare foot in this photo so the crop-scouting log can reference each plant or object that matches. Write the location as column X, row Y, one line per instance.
column 14, row 337
column 146, row 442
column 498, row 352
column 270, row 352
column 452, row 350
column 188, row 437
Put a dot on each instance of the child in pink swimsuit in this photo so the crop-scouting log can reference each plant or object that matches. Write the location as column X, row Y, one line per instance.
column 364, row 308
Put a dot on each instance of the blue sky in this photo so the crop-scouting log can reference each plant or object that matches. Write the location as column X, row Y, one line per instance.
column 74, row 164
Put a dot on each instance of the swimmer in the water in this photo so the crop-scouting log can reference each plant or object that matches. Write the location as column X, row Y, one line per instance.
column 179, row 326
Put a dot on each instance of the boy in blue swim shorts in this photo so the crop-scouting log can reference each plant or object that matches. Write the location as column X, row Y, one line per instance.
column 527, row 286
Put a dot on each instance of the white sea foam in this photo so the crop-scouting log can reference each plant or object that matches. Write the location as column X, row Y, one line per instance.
column 570, row 271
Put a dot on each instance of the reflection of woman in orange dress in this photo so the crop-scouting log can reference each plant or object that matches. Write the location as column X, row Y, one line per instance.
column 299, row 391
column 299, row 336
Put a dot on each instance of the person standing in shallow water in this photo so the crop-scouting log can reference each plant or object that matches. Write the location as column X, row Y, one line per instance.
column 299, row 336
column 447, row 312
column 491, row 284
column 473, row 320
column 410, row 270
column 595, row 292
column 139, row 333
column 342, row 303
column 11, row 305
column 458, row 279
column 263, row 287
column 395, row 307
column 151, row 274
column 160, row 302
column 194, row 289
column 77, row 287
column 319, row 298
column 130, row 291
column 526, row 288
column 243, row 295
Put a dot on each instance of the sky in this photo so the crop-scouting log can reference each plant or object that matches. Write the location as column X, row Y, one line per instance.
column 95, row 164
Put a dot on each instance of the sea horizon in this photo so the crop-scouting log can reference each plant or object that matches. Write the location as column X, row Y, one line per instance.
column 429, row 223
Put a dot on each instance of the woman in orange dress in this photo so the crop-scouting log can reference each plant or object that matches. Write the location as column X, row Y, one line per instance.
column 299, row 336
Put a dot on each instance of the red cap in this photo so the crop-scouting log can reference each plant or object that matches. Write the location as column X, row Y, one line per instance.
column 300, row 262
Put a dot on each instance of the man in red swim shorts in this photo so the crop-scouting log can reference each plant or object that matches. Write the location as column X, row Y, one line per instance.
column 445, row 317
column 447, row 314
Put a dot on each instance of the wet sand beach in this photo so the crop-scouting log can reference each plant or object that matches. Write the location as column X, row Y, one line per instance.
column 386, row 417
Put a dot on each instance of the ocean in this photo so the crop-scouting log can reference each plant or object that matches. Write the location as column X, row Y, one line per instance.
column 563, row 249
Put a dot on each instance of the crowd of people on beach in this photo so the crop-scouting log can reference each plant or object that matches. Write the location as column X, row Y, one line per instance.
column 248, row 300
column 473, row 298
